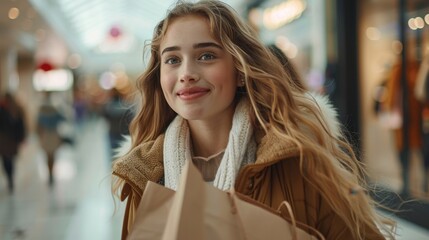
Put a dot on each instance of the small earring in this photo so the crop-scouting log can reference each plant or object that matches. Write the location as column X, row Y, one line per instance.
column 242, row 82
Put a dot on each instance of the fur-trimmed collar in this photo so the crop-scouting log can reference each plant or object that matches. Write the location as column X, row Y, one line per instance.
column 328, row 112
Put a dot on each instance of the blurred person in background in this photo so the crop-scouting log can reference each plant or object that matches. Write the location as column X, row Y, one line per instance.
column 116, row 111
column 48, row 122
column 12, row 134
column 79, row 106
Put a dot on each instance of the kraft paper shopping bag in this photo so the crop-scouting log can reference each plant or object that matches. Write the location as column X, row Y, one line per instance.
column 200, row 211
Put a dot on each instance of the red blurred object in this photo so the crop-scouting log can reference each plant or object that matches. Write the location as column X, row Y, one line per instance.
column 115, row 31
column 45, row 66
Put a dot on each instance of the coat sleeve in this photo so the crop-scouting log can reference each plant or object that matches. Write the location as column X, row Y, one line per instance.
column 283, row 181
column 133, row 199
column 333, row 227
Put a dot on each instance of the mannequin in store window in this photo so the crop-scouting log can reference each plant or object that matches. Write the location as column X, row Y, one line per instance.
column 422, row 94
column 394, row 103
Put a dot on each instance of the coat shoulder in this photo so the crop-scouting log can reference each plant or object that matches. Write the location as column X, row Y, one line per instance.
column 141, row 164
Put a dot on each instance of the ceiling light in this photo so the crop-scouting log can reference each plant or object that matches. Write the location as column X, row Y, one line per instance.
column 74, row 61
column 13, row 13
column 419, row 22
column 412, row 24
column 373, row 33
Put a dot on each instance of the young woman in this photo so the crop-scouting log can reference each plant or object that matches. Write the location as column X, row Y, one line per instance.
column 213, row 94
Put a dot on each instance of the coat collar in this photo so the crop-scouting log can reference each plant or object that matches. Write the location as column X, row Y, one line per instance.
column 272, row 148
column 142, row 164
column 145, row 162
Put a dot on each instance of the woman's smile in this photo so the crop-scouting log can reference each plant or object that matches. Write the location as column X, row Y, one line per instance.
column 192, row 93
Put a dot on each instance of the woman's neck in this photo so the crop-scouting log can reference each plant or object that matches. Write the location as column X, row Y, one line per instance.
column 209, row 137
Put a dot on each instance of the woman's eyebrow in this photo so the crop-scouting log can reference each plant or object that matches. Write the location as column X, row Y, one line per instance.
column 197, row 45
column 207, row 44
column 169, row 49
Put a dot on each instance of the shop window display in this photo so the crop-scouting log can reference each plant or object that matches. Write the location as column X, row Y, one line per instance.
column 394, row 106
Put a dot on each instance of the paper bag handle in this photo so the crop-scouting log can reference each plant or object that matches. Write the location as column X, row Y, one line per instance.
column 298, row 224
column 232, row 194
column 292, row 216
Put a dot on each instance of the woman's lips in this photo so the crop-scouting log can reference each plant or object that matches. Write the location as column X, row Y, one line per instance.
column 192, row 93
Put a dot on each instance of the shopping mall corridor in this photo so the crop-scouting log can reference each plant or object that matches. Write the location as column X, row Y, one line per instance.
column 79, row 205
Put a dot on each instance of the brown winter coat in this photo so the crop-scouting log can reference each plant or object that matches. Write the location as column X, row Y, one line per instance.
column 273, row 178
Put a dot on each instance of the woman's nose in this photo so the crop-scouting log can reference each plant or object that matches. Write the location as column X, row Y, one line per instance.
column 189, row 72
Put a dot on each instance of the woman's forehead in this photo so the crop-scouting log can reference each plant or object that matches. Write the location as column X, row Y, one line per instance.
column 190, row 27
column 191, row 17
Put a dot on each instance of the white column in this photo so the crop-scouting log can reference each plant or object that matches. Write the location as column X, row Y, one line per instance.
column 9, row 80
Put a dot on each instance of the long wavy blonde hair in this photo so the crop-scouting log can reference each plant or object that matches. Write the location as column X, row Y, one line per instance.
column 326, row 161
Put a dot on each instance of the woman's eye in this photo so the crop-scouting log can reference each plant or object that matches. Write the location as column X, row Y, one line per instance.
column 172, row 60
column 207, row 56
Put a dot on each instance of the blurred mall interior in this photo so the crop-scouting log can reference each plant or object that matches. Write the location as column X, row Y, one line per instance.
column 88, row 54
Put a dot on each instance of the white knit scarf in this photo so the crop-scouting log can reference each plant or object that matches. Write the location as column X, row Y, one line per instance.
column 240, row 150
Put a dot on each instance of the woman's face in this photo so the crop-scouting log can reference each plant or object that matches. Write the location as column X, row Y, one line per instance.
column 198, row 77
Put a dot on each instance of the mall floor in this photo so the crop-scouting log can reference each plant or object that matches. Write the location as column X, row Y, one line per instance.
column 79, row 205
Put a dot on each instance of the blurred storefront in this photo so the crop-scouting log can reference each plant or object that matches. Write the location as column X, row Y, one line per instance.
column 354, row 52
column 297, row 27
column 347, row 49
column 394, row 35
column 320, row 38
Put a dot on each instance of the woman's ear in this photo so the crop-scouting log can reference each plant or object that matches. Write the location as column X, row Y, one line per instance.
column 240, row 81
